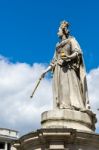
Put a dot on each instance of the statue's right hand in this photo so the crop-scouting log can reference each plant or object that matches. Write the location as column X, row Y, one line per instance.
column 45, row 71
column 43, row 74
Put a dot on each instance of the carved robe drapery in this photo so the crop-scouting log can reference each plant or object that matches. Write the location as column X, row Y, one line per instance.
column 69, row 79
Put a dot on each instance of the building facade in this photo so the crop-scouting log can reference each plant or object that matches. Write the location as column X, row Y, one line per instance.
column 7, row 136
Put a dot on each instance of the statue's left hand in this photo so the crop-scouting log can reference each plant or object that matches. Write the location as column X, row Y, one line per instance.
column 65, row 58
column 72, row 56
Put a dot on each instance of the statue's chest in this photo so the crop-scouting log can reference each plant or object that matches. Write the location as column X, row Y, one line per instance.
column 65, row 50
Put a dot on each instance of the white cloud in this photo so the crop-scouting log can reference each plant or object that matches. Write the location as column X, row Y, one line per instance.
column 17, row 110
column 17, row 81
column 93, row 88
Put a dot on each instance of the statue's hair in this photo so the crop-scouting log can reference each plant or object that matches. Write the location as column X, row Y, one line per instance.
column 64, row 22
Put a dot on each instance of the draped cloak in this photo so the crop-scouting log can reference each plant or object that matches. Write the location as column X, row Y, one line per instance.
column 69, row 80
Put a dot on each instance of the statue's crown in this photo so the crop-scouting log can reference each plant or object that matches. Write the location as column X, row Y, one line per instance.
column 64, row 24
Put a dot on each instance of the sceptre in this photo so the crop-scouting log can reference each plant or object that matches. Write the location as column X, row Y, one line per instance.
column 39, row 80
column 37, row 84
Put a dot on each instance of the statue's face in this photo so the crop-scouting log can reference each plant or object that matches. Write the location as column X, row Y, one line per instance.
column 60, row 32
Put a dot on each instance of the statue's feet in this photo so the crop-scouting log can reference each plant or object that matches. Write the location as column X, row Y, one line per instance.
column 75, row 108
column 63, row 106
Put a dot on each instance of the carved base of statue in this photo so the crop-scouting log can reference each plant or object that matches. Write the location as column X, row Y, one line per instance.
column 66, row 118
column 58, row 139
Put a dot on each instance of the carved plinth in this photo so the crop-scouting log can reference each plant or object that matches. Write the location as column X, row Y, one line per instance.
column 65, row 118
column 58, row 139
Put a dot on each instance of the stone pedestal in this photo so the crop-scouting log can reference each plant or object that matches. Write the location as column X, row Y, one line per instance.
column 58, row 139
column 65, row 118
column 62, row 129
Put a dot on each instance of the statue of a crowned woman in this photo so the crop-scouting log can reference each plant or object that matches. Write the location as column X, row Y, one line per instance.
column 69, row 77
column 70, row 94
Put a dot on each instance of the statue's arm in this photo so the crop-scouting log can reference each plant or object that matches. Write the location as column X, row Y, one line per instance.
column 51, row 65
column 49, row 68
column 76, row 50
column 72, row 56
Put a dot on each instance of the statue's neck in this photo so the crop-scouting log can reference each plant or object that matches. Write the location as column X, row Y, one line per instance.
column 64, row 37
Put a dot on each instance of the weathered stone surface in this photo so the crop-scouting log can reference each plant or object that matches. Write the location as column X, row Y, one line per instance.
column 66, row 118
column 59, row 139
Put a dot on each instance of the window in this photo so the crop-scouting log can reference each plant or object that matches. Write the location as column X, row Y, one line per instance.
column 2, row 145
column 9, row 146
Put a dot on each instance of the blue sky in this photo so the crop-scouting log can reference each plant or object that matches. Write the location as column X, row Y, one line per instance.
column 28, row 28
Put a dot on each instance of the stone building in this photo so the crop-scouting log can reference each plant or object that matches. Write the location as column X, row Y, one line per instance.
column 6, row 138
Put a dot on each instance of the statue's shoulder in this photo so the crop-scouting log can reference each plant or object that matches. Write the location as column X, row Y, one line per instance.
column 72, row 38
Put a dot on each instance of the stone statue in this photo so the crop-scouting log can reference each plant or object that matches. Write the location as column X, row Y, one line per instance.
column 69, row 77
column 71, row 123
column 70, row 94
